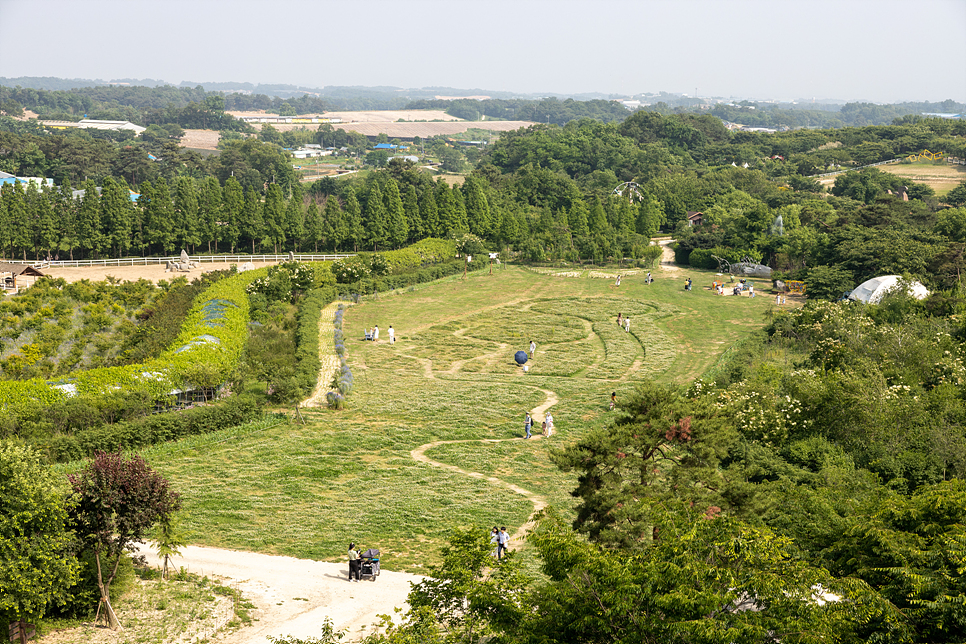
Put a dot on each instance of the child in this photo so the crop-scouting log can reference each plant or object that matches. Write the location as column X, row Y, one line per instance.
column 613, row 400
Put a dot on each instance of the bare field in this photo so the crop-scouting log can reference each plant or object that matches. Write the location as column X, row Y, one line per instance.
column 152, row 273
column 941, row 178
column 370, row 116
column 200, row 139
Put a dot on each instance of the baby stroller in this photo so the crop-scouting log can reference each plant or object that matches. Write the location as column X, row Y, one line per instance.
column 369, row 564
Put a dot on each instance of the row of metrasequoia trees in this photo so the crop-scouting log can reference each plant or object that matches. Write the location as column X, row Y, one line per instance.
column 202, row 216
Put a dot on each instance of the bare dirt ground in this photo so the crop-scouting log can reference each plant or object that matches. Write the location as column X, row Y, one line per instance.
column 294, row 596
column 152, row 273
column 200, row 139
column 372, row 116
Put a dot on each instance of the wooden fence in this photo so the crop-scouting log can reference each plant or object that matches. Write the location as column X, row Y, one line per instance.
column 149, row 261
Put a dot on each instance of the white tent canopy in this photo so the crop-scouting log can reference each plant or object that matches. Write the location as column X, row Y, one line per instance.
column 872, row 291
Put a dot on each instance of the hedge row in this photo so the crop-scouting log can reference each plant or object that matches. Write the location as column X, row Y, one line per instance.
column 427, row 252
column 152, row 429
column 307, row 336
column 421, row 276
column 704, row 257
column 204, row 354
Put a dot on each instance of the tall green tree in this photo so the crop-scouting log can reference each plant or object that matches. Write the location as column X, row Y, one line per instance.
column 252, row 225
column 274, row 215
column 397, row 224
column 429, row 214
column 88, row 228
column 37, row 568
column 411, row 208
column 233, row 203
column 159, row 218
column 477, row 208
column 314, row 225
column 375, row 220
column 334, row 228
column 186, row 211
column 355, row 233
column 45, row 230
column 116, row 216
column 294, row 216
column 210, row 213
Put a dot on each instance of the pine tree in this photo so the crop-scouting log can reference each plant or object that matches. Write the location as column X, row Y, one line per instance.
column 186, row 210
column 577, row 219
column 411, row 208
column 396, row 223
column 161, row 218
column 314, row 229
column 459, row 209
column 233, row 202
column 89, row 220
column 251, row 223
column 294, row 218
column 598, row 219
column 116, row 215
column 274, row 216
column 334, row 228
column 210, row 214
column 477, row 208
column 429, row 214
column 448, row 219
column 374, row 218
column 353, row 219
column 64, row 214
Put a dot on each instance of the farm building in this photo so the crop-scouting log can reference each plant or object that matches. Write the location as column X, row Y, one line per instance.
column 95, row 124
column 18, row 276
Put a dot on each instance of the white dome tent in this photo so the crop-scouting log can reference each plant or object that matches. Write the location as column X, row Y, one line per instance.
column 872, row 291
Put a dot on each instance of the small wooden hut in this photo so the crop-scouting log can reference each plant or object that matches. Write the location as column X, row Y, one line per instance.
column 18, row 276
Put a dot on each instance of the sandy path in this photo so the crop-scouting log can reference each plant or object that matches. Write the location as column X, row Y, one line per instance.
column 151, row 272
column 667, row 256
column 294, row 596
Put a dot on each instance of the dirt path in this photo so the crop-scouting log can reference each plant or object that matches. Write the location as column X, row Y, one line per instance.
column 328, row 360
column 539, row 503
column 667, row 256
column 294, row 596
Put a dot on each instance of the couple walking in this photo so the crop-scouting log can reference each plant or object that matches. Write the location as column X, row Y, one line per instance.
column 501, row 538
column 547, row 425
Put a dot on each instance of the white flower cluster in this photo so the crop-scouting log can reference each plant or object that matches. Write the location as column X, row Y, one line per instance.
column 761, row 417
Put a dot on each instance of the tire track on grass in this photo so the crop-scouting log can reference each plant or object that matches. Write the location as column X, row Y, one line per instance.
column 539, row 502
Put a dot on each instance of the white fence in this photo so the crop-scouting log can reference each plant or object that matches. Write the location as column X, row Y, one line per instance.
column 843, row 170
column 147, row 261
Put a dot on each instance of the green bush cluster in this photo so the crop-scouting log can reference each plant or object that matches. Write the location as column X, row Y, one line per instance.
column 427, row 252
column 392, row 282
column 704, row 257
column 203, row 355
column 153, row 429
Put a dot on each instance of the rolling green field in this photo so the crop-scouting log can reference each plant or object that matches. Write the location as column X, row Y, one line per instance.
column 307, row 490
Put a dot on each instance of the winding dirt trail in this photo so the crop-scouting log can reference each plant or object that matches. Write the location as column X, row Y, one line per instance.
column 539, row 503
column 667, row 255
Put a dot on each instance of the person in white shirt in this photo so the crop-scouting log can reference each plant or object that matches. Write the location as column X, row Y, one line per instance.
column 392, row 335
column 375, row 333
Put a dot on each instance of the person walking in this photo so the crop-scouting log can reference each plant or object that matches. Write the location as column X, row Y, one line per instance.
column 648, row 280
column 495, row 540
column 375, row 333
column 533, row 348
column 392, row 335
column 618, row 281
column 778, row 300
column 505, row 540
column 751, row 290
column 548, row 419
column 354, row 562
column 613, row 400
column 627, row 325
column 620, row 319
column 528, row 425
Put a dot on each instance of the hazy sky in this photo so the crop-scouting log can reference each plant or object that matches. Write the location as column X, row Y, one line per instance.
column 878, row 50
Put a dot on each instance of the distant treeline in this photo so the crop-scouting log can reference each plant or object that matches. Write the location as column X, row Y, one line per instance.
column 549, row 110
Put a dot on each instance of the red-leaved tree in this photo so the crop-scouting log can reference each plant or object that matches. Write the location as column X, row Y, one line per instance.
column 118, row 500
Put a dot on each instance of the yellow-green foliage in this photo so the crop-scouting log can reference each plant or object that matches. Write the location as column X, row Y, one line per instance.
column 204, row 354
column 425, row 253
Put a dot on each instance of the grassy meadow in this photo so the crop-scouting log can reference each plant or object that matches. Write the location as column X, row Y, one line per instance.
column 307, row 490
